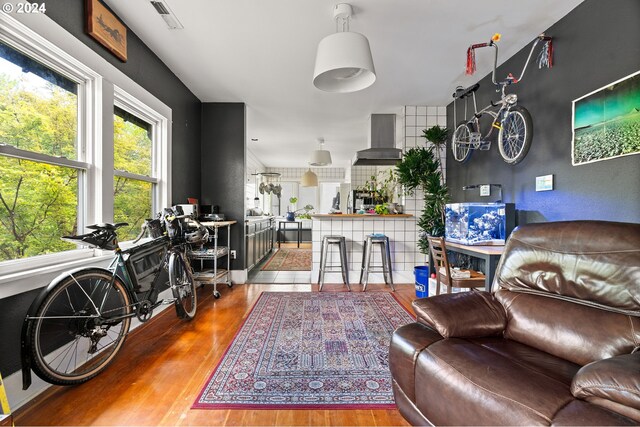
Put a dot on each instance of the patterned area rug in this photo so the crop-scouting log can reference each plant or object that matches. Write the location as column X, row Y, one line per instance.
column 309, row 350
column 289, row 260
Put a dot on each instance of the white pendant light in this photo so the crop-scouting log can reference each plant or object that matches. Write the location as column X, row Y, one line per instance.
column 343, row 60
column 309, row 179
column 320, row 157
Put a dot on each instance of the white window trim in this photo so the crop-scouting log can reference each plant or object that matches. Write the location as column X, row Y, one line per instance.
column 23, row 33
column 159, row 142
column 23, row 39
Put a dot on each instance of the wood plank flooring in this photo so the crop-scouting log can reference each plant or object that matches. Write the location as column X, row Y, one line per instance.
column 165, row 363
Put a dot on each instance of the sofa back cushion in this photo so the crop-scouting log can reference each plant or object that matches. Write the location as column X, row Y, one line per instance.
column 575, row 332
column 595, row 263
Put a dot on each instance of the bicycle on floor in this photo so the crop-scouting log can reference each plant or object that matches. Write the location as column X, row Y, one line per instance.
column 513, row 122
column 79, row 322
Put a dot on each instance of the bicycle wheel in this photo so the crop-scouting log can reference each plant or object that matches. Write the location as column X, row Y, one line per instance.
column 515, row 135
column 182, row 286
column 461, row 143
column 79, row 327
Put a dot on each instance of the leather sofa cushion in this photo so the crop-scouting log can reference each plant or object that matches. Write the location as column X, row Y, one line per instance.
column 575, row 332
column 465, row 314
column 592, row 262
column 466, row 382
column 406, row 344
column 616, row 380
column 581, row 413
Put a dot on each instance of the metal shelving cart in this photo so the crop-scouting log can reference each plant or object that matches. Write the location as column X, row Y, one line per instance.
column 214, row 275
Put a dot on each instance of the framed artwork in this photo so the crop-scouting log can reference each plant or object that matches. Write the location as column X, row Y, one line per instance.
column 606, row 122
column 103, row 26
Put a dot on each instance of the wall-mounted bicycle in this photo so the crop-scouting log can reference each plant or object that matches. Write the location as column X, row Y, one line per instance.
column 513, row 122
column 77, row 324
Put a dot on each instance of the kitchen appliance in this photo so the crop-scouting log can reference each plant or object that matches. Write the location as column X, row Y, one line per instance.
column 382, row 149
column 361, row 200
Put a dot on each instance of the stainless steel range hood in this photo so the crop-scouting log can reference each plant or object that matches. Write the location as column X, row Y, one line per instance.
column 382, row 149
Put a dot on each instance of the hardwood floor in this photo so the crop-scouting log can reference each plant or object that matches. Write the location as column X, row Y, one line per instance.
column 165, row 363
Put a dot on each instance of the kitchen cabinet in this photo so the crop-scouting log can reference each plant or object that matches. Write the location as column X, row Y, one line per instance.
column 258, row 240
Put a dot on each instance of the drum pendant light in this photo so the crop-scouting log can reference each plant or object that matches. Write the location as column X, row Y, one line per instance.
column 309, row 179
column 343, row 60
column 320, row 157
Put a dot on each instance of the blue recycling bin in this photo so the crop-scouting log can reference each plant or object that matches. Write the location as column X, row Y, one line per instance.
column 422, row 280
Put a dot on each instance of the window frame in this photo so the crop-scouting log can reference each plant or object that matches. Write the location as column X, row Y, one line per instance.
column 159, row 146
column 96, row 95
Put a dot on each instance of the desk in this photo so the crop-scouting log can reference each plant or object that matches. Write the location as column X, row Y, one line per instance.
column 490, row 254
column 283, row 229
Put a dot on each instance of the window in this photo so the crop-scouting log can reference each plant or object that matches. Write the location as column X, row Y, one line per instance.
column 133, row 182
column 41, row 171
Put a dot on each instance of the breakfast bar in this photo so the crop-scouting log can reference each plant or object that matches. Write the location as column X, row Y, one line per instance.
column 399, row 228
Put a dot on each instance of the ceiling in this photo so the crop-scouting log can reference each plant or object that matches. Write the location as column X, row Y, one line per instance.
column 262, row 53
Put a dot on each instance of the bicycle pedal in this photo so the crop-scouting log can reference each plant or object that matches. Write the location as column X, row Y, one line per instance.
column 474, row 137
column 168, row 301
column 484, row 146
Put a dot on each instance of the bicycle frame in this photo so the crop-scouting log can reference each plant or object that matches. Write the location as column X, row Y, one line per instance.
column 506, row 102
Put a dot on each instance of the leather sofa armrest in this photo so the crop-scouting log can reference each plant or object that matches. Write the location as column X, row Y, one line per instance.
column 616, row 379
column 462, row 315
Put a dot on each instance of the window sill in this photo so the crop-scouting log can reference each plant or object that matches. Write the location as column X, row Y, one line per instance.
column 31, row 277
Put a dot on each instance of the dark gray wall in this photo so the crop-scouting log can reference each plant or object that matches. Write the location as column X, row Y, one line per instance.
column 595, row 44
column 146, row 69
column 222, row 162
column 151, row 73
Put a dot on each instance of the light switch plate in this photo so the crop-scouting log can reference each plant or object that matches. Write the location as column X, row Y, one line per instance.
column 485, row 190
column 544, row 183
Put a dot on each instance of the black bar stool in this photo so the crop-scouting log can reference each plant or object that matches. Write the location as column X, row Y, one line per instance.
column 385, row 252
column 324, row 252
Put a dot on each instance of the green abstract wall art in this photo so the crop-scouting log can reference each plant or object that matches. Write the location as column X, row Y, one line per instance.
column 606, row 122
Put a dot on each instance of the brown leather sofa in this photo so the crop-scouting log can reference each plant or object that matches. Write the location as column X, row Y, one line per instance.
column 558, row 342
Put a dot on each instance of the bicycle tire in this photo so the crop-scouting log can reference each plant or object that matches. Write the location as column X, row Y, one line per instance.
column 518, row 126
column 460, row 145
column 56, row 342
column 183, row 287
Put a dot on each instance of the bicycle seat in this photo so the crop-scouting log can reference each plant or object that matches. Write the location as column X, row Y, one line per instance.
column 461, row 92
column 103, row 238
column 106, row 226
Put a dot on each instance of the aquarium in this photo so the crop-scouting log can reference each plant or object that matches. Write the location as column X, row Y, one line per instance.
column 479, row 223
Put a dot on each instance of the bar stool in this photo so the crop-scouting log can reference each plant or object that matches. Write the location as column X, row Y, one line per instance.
column 385, row 252
column 344, row 266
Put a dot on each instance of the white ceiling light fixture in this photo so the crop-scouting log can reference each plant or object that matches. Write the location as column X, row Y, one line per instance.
column 309, row 179
column 343, row 61
column 320, row 157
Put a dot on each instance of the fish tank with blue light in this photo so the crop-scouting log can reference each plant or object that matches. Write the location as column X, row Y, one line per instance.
column 479, row 223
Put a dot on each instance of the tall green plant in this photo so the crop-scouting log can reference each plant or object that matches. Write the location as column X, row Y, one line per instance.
column 420, row 169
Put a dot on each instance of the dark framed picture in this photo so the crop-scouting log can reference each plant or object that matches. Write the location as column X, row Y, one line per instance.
column 606, row 122
column 103, row 26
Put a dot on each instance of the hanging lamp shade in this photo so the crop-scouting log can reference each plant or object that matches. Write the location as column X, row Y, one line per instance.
column 309, row 179
column 344, row 63
column 320, row 158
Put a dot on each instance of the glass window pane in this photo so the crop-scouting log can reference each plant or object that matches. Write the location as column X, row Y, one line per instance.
column 38, row 205
column 131, row 204
column 38, row 107
column 132, row 143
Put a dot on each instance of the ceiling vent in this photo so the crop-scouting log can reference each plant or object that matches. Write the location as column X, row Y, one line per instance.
column 168, row 16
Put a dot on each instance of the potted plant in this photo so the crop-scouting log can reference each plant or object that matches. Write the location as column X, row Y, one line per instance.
column 420, row 169
column 291, row 211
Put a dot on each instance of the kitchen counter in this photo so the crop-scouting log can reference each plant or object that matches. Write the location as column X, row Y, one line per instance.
column 361, row 216
column 400, row 228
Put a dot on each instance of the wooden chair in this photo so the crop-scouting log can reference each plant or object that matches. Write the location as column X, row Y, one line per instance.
column 443, row 269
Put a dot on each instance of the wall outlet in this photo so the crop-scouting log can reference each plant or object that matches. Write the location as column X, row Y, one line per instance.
column 485, row 190
column 233, row 254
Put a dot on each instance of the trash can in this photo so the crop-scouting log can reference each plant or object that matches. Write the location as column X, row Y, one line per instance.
column 422, row 280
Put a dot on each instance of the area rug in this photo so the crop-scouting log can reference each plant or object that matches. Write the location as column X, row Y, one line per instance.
column 289, row 260
column 309, row 350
